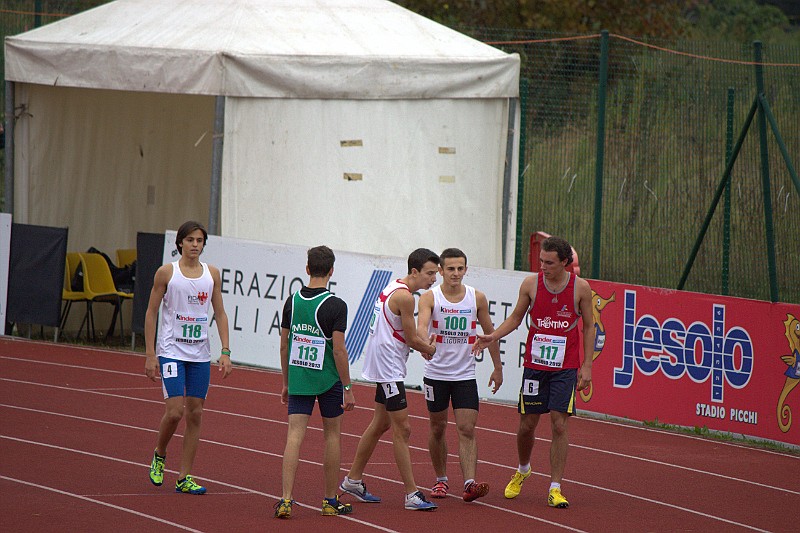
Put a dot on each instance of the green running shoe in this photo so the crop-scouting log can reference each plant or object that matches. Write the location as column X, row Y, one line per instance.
column 188, row 486
column 157, row 470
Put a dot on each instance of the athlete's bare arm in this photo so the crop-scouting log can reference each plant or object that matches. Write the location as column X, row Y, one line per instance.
column 527, row 291
column 424, row 313
column 221, row 318
column 160, row 280
column 587, row 317
column 485, row 320
column 401, row 302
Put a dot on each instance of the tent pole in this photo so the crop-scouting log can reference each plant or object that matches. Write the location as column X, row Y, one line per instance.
column 216, row 165
column 8, row 198
column 506, row 218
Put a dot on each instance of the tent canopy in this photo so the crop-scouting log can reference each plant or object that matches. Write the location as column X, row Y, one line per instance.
column 354, row 49
column 396, row 132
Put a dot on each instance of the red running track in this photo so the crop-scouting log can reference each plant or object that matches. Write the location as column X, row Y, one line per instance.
column 78, row 430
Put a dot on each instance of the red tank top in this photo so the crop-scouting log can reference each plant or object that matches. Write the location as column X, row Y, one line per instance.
column 553, row 339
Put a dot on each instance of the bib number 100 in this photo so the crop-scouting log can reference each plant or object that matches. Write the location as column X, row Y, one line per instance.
column 455, row 322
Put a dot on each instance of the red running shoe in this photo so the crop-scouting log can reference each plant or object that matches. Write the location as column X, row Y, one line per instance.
column 439, row 490
column 475, row 490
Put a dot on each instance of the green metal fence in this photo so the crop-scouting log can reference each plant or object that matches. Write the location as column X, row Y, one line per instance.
column 633, row 201
column 654, row 175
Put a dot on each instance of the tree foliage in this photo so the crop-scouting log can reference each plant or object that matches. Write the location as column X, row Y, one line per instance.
column 732, row 19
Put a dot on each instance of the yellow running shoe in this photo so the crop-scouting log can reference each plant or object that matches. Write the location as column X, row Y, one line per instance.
column 188, row 486
column 330, row 508
column 556, row 499
column 283, row 509
column 515, row 485
column 157, row 470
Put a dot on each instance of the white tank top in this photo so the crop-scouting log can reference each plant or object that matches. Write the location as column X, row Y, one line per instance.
column 386, row 353
column 454, row 325
column 183, row 329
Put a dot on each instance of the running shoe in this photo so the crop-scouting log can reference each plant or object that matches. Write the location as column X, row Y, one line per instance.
column 359, row 491
column 188, row 486
column 440, row 489
column 330, row 509
column 474, row 490
column 417, row 502
column 283, row 509
column 157, row 470
column 515, row 485
column 556, row 499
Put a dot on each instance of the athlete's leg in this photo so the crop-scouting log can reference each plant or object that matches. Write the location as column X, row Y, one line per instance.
column 525, row 436
column 467, row 445
column 401, row 433
column 369, row 439
column 559, row 446
column 291, row 453
column 332, row 428
column 437, row 445
column 193, row 413
column 173, row 413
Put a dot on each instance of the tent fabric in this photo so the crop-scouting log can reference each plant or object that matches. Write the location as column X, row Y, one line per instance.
column 353, row 49
column 350, row 122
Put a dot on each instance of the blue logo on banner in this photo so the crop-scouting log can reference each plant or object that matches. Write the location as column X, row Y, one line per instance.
column 356, row 337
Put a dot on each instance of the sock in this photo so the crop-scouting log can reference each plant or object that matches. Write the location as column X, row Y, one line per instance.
column 410, row 495
column 333, row 501
column 555, row 485
column 468, row 482
column 524, row 469
column 441, row 478
column 351, row 481
column 161, row 456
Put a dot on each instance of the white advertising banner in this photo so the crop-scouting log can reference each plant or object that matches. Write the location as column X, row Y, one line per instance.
column 5, row 257
column 257, row 278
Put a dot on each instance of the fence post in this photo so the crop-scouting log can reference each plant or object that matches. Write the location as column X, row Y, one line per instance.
column 726, row 224
column 601, row 139
column 37, row 13
column 765, row 185
column 523, row 143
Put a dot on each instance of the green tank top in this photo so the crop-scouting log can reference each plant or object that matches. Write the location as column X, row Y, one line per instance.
column 312, row 369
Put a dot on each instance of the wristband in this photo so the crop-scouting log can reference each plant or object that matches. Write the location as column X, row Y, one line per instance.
column 348, row 387
column 226, row 351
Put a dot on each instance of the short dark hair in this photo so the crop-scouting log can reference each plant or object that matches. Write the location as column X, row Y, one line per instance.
column 560, row 246
column 320, row 261
column 419, row 257
column 187, row 228
column 451, row 253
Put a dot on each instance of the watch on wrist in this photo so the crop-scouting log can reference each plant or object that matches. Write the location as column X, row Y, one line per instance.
column 348, row 386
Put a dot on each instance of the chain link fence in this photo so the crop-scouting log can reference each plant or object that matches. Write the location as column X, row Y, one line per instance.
column 672, row 111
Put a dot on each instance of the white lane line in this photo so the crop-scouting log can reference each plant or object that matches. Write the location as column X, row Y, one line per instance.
column 98, row 502
column 251, row 450
column 229, row 485
column 480, row 461
column 279, row 456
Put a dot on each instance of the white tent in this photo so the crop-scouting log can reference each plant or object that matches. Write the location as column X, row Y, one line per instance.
column 354, row 123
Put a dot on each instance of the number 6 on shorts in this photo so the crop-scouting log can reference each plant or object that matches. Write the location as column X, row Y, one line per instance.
column 530, row 387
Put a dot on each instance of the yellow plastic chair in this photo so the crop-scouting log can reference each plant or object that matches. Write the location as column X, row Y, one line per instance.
column 99, row 287
column 125, row 256
column 68, row 295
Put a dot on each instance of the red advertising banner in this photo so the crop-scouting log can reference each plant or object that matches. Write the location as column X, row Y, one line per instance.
column 696, row 360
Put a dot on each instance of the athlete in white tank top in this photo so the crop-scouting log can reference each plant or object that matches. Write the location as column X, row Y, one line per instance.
column 183, row 326
column 454, row 325
column 386, row 352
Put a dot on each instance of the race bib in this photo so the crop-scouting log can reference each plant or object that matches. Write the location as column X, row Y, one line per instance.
column 191, row 329
column 390, row 389
column 548, row 350
column 530, row 387
column 169, row 370
column 307, row 351
column 429, row 393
